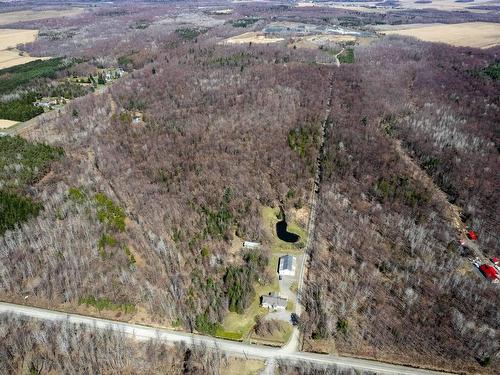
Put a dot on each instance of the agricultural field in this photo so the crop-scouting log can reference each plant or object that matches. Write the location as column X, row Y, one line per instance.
column 473, row 34
column 380, row 7
column 31, row 15
column 4, row 124
column 9, row 39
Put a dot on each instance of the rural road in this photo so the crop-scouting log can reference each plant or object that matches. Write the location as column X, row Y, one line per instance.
column 232, row 348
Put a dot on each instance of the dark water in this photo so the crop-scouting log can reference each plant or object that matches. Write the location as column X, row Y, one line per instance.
column 283, row 234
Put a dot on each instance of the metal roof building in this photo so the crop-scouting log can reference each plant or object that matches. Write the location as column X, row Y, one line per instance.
column 287, row 265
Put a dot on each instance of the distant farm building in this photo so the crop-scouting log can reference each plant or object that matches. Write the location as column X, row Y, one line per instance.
column 273, row 301
column 287, row 265
column 489, row 272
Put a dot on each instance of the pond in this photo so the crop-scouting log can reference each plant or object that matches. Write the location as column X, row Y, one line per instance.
column 281, row 231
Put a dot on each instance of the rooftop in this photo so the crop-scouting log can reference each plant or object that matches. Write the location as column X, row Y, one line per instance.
column 287, row 263
column 275, row 300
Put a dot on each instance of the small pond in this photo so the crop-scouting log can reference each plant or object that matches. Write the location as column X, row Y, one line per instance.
column 283, row 234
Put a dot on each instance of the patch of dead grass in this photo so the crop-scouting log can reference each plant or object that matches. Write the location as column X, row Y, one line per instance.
column 469, row 34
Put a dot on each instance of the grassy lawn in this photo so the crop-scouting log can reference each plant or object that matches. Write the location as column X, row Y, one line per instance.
column 270, row 217
column 238, row 326
column 278, row 337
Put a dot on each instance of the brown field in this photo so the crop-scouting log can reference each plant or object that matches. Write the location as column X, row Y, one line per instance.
column 9, row 39
column 4, row 124
column 30, row 15
column 446, row 5
column 471, row 34
column 252, row 37
column 14, row 57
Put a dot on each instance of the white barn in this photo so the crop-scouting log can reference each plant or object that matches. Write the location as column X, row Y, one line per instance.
column 287, row 265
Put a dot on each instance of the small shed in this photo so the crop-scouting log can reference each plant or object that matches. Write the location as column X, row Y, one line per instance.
column 251, row 245
column 287, row 265
column 137, row 118
column 273, row 301
column 472, row 235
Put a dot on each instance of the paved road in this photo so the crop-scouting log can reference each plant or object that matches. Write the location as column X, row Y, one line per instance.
column 230, row 347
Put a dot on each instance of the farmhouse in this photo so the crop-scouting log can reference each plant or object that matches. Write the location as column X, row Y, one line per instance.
column 273, row 301
column 287, row 265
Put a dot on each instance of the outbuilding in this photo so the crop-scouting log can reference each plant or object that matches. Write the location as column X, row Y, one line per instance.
column 472, row 235
column 287, row 265
column 251, row 245
column 489, row 272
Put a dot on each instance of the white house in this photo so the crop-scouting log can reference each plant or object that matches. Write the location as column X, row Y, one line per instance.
column 287, row 265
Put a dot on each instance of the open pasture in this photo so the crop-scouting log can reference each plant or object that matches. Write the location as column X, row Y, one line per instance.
column 31, row 15
column 470, row 34
column 9, row 39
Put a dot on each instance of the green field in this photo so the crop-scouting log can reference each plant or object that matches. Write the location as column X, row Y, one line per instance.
column 347, row 56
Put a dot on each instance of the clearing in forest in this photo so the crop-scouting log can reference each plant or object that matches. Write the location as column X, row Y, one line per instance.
column 314, row 41
column 469, row 34
column 252, row 37
column 9, row 39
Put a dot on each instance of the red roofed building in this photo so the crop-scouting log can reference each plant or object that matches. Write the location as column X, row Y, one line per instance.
column 472, row 235
column 495, row 260
column 489, row 272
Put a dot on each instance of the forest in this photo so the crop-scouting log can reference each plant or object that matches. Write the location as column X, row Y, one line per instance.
column 35, row 347
column 385, row 270
column 133, row 203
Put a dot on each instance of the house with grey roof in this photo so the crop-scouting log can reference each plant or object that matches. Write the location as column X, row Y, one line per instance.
column 273, row 301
